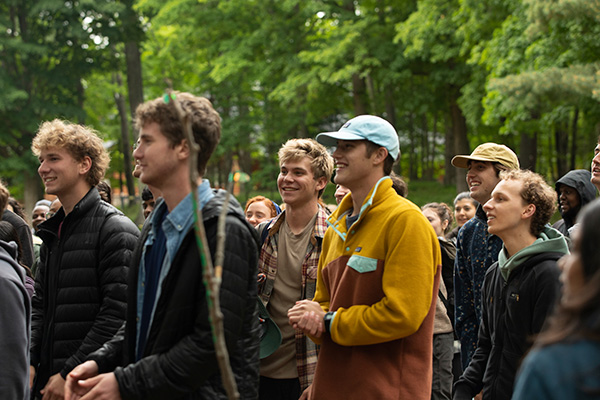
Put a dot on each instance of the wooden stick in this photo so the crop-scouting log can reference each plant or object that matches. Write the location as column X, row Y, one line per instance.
column 211, row 276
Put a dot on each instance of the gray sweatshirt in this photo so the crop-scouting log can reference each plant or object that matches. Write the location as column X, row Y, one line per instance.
column 15, row 313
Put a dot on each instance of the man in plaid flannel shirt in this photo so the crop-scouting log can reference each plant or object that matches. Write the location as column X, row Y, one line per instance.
column 289, row 258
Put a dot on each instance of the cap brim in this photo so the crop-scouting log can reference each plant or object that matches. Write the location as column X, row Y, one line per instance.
column 329, row 139
column 463, row 161
column 270, row 338
column 270, row 335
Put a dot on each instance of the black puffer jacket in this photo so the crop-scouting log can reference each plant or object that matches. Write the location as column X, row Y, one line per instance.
column 513, row 312
column 179, row 358
column 81, row 285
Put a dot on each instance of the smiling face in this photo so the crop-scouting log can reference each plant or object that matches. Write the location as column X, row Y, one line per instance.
column 38, row 215
column 481, row 179
column 296, row 183
column 596, row 167
column 568, row 200
column 464, row 210
column 258, row 212
column 506, row 211
column 60, row 172
column 353, row 165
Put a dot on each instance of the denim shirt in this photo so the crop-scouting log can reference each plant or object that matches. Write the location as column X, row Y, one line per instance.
column 176, row 225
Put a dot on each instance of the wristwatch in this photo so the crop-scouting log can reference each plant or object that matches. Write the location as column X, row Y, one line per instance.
column 327, row 319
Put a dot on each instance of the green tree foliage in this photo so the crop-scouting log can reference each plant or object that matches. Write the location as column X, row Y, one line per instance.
column 448, row 74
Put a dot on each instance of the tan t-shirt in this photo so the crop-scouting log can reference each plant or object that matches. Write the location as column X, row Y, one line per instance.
column 287, row 289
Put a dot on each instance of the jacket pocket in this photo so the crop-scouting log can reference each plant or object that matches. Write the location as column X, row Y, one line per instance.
column 362, row 264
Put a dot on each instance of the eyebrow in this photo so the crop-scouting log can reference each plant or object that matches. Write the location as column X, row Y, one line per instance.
column 48, row 155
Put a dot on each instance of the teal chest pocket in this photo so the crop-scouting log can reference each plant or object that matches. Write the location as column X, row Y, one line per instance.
column 362, row 264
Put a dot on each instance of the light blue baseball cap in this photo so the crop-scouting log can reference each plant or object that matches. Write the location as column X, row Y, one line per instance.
column 365, row 127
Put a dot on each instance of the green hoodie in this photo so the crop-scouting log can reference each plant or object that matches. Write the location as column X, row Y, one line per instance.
column 550, row 240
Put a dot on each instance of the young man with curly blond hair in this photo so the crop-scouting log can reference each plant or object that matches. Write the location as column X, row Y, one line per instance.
column 520, row 289
column 80, row 288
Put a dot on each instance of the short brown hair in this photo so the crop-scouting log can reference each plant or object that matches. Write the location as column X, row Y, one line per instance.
column 206, row 122
column 537, row 192
column 321, row 161
column 79, row 140
column 388, row 163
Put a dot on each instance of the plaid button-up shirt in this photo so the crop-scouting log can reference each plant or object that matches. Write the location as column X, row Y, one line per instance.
column 306, row 349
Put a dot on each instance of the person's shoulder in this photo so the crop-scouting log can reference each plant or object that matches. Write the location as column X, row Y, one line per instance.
column 13, row 218
column 114, row 219
column 563, row 355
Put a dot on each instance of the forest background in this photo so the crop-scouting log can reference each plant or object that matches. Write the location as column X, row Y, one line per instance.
column 448, row 74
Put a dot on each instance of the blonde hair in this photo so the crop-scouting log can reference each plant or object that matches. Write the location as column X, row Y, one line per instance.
column 79, row 140
column 321, row 161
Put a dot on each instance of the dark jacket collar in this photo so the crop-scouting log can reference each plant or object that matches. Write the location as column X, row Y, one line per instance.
column 50, row 227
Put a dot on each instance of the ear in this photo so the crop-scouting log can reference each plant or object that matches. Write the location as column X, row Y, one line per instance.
column 321, row 183
column 528, row 211
column 85, row 165
column 183, row 150
column 445, row 224
column 379, row 155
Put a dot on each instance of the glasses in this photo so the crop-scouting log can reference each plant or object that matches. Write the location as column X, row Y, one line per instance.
column 50, row 214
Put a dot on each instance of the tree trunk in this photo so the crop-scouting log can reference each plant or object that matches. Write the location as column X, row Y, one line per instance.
column 359, row 93
column 528, row 151
column 125, row 145
column 574, row 132
column 561, row 136
column 31, row 190
column 461, row 142
column 135, row 87
column 372, row 95
column 426, row 163
column 449, row 152
column 412, row 155
column 390, row 107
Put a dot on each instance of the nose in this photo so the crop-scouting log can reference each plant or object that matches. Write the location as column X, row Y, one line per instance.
column 42, row 168
column 488, row 205
column 336, row 152
column 136, row 152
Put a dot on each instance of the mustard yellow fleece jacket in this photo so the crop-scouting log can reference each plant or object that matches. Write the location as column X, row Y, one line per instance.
column 381, row 278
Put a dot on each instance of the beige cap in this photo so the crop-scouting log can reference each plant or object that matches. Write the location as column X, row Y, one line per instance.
column 491, row 152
